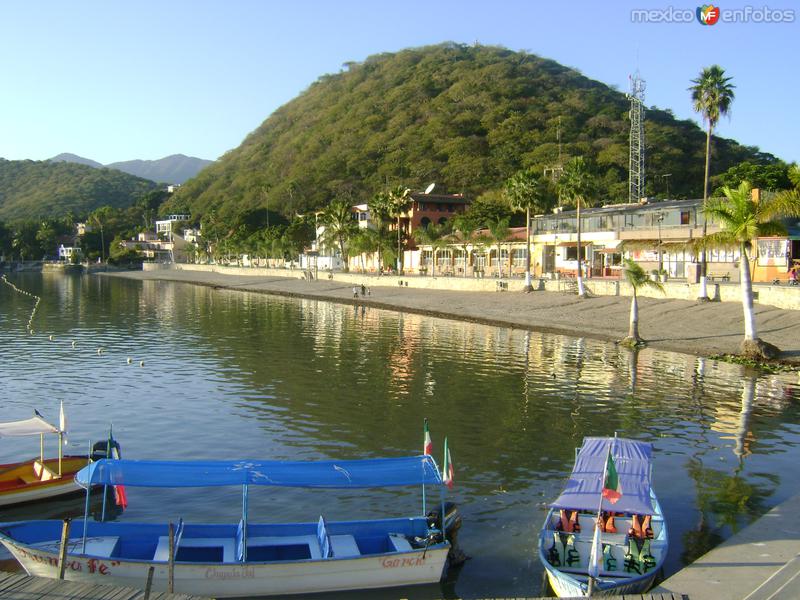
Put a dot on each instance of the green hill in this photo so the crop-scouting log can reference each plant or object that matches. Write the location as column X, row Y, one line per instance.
column 34, row 189
column 464, row 117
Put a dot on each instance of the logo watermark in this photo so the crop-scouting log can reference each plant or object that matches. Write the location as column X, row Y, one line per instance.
column 710, row 14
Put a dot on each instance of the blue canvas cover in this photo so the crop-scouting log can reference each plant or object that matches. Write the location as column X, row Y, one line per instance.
column 377, row 472
column 584, row 488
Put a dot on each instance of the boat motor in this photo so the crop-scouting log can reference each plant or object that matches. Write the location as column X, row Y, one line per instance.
column 100, row 450
column 452, row 524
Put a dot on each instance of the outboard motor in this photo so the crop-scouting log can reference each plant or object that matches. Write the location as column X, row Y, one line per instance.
column 452, row 524
column 101, row 450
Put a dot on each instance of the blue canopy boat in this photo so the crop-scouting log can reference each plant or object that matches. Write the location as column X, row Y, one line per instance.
column 601, row 541
column 247, row 559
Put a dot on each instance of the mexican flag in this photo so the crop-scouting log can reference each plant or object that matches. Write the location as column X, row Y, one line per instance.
column 612, row 489
column 427, row 445
column 447, row 471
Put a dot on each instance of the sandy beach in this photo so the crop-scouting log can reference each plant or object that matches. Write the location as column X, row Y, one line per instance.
column 702, row 329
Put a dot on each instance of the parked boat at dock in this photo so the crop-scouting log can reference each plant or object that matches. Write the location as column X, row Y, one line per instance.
column 605, row 535
column 248, row 559
column 44, row 478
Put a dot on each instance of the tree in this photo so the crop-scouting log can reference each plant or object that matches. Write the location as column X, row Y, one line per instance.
column 525, row 191
column 6, row 237
column 362, row 243
column 99, row 218
column 743, row 220
column 381, row 212
column 499, row 233
column 636, row 276
column 464, row 226
column 339, row 226
column 772, row 176
column 712, row 95
column 434, row 236
column 398, row 199
column 576, row 185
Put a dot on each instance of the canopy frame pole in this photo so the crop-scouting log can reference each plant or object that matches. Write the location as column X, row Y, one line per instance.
column 41, row 450
column 244, row 521
column 593, row 556
column 86, row 506
column 60, row 451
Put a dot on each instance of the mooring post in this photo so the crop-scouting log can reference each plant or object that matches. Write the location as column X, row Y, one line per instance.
column 171, row 564
column 62, row 555
column 148, row 586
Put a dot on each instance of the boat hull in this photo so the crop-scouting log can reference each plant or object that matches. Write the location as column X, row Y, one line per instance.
column 234, row 579
column 570, row 586
column 20, row 483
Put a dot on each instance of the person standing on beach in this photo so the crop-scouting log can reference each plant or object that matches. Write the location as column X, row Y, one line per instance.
column 355, row 292
column 363, row 290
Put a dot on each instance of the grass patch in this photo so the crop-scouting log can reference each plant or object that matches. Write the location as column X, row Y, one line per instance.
column 771, row 367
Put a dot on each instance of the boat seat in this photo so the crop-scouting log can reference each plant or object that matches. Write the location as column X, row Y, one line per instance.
column 344, row 546
column 227, row 544
column 399, row 542
column 43, row 472
column 287, row 540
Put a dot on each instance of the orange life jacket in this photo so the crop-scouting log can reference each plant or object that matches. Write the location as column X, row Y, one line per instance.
column 569, row 523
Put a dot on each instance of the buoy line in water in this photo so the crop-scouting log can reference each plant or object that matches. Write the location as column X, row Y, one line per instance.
column 29, row 326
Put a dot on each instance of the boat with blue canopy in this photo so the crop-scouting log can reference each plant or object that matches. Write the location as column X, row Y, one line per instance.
column 605, row 534
column 248, row 559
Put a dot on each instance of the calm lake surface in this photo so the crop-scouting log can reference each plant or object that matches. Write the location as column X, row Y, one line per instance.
column 230, row 375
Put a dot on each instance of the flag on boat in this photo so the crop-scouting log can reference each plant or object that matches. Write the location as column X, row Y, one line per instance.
column 612, row 489
column 427, row 445
column 447, row 472
column 62, row 423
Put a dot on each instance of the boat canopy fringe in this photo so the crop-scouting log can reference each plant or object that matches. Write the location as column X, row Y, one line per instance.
column 585, row 486
column 376, row 472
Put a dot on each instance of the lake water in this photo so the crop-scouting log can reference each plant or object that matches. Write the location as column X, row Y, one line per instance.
column 231, row 375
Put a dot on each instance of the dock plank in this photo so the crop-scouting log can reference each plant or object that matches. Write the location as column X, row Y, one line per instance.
column 22, row 587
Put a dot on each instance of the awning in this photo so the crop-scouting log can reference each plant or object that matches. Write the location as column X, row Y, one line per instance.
column 377, row 472
column 33, row 426
column 607, row 250
column 585, row 485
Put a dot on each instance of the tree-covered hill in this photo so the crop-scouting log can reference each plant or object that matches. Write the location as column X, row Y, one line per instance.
column 465, row 117
column 38, row 189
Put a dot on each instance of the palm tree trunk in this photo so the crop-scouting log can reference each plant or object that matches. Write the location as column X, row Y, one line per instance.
column 704, row 261
column 528, row 286
column 581, row 290
column 433, row 267
column 633, row 329
column 750, row 333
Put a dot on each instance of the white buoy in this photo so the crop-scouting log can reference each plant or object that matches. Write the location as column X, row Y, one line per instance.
column 51, row 338
column 99, row 350
column 73, row 343
column 141, row 363
column 130, row 360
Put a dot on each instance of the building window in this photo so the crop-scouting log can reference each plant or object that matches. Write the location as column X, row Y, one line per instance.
column 519, row 257
column 424, row 222
column 684, row 217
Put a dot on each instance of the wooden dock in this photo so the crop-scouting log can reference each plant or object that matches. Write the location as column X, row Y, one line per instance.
column 21, row 587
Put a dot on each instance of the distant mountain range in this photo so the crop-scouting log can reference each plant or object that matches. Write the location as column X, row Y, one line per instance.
column 176, row 168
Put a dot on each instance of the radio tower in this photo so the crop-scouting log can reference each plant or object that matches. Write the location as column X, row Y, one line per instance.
column 636, row 161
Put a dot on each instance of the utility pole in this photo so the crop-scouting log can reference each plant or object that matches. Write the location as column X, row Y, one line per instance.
column 636, row 154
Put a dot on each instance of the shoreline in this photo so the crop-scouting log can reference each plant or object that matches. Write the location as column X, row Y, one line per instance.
column 702, row 329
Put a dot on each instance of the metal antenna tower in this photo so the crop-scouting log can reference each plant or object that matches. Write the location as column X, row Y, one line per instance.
column 636, row 160
column 555, row 171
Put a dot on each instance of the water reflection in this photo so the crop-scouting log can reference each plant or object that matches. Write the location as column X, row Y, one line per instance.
column 231, row 375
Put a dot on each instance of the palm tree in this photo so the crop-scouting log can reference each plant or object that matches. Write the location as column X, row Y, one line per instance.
column 524, row 191
column 339, row 226
column 712, row 95
column 575, row 185
column 434, row 236
column 636, row 276
column 464, row 226
column 398, row 198
column 380, row 212
column 743, row 220
column 499, row 232
column 364, row 242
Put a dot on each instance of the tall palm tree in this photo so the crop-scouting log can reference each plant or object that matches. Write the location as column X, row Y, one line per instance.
column 380, row 213
column 399, row 200
column 434, row 236
column 464, row 226
column 712, row 95
column 525, row 191
column 339, row 226
column 636, row 276
column 499, row 232
column 743, row 220
column 576, row 185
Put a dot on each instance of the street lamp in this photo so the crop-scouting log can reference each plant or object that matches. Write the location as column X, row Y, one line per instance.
column 660, row 218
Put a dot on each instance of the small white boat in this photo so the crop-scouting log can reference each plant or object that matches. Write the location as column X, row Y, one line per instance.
column 598, row 541
column 43, row 478
column 246, row 559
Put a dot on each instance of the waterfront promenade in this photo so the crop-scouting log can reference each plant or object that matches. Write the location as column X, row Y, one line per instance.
column 703, row 329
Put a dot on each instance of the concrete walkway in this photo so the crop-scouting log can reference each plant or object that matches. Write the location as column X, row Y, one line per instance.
column 761, row 562
column 702, row 329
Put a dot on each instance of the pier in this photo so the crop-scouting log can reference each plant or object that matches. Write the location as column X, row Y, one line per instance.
column 21, row 587
column 761, row 562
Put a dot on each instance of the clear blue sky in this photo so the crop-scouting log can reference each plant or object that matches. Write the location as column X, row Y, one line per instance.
column 113, row 80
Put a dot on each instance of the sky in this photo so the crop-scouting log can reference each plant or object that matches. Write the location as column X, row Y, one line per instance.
column 143, row 79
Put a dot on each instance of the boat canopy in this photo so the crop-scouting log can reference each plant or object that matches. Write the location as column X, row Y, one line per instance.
column 585, row 486
column 376, row 472
column 33, row 426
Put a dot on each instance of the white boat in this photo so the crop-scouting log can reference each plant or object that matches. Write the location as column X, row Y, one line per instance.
column 627, row 550
column 41, row 478
column 245, row 559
